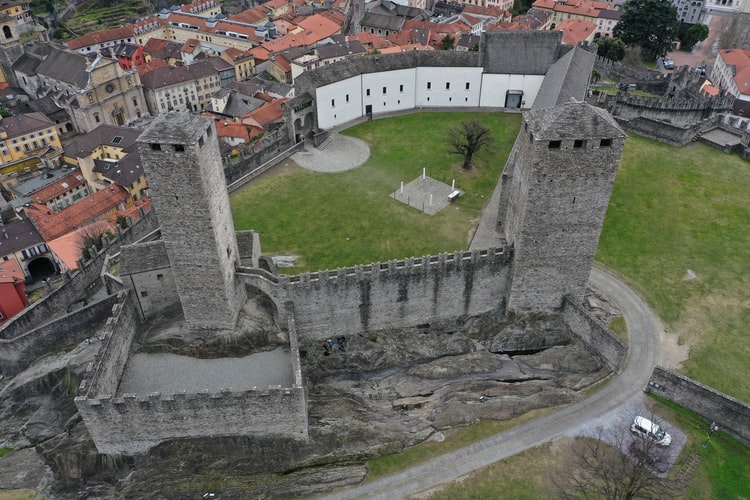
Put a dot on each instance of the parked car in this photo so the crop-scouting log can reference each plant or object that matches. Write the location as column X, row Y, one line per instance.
column 649, row 430
column 667, row 62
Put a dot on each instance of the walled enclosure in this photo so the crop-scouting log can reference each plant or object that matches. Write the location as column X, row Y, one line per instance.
column 729, row 413
column 437, row 290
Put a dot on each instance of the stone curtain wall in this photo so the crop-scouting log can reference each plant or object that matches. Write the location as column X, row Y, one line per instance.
column 730, row 414
column 259, row 156
column 674, row 135
column 17, row 354
column 104, row 373
column 599, row 340
column 434, row 289
column 134, row 424
column 681, row 112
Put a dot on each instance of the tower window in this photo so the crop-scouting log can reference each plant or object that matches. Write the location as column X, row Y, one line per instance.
column 368, row 92
column 179, row 148
column 155, row 147
column 555, row 144
column 429, row 85
column 385, row 89
column 579, row 143
column 400, row 88
column 605, row 143
column 468, row 85
column 447, row 85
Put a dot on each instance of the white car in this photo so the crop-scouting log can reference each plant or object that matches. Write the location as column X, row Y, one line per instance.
column 647, row 429
column 668, row 62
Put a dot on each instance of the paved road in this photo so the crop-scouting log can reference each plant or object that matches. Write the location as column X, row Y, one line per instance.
column 618, row 393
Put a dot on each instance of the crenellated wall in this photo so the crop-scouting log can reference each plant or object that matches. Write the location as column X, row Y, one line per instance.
column 677, row 111
column 730, row 414
column 18, row 353
column 134, row 423
column 394, row 294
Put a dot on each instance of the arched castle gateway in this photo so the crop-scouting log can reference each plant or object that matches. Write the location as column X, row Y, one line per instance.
column 555, row 190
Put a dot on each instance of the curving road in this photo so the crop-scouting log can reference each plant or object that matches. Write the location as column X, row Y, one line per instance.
column 643, row 330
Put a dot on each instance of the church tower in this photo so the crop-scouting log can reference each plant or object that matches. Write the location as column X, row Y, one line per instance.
column 555, row 192
column 180, row 155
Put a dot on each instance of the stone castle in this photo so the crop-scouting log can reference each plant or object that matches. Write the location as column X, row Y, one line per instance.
column 555, row 191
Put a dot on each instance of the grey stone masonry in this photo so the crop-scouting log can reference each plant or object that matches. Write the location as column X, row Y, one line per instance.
column 181, row 158
column 556, row 188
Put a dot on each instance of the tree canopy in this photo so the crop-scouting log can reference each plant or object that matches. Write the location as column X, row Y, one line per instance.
column 610, row 48
column 447, row 43
column 650, row 24
column 467, row 138
column 690, row 34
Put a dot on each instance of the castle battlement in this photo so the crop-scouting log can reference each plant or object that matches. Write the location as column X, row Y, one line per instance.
column 409, row 265
column 675, row 104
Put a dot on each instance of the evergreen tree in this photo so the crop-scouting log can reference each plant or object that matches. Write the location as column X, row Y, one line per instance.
column 650, row 24
column 610, row 48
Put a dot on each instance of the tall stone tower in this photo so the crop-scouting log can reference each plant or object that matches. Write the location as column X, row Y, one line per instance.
column 358, row 12
column 180, row 155
column 554, row 196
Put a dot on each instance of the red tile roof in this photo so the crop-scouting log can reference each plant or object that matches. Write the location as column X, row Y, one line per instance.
column 62, row 186
column 11, row 272
column 110, row 35
column 52, row 225
column 265, row 114
column 576, row 30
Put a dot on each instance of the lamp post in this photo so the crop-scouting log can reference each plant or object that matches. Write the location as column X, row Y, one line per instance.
column 711, row 430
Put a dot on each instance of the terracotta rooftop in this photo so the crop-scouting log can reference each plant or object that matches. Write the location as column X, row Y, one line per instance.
column 575, row 30
column 740, row 59
column 104, row 36
column 52, row 225
column 266, row 114
column 58, row 188
column 10, row 272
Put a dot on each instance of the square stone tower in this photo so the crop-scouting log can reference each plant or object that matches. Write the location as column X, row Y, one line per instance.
column 554, row 196
column 180, row 155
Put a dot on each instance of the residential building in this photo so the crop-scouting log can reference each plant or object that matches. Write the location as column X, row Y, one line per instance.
column 587, row 10
column 181, row 87
column 63, row 192
column 21, row 243
column 100, row 205
column 731, row 73
column 109, row 155
column 20, row 13
column 129, row 55
column 26, row 135
column 12, row 290
column 576, row 31
column 242, row 61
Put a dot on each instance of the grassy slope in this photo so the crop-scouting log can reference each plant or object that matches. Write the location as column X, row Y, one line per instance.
column 675, row 209
column 337, row 220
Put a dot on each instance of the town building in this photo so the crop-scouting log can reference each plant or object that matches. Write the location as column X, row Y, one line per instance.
column 26, row 135
column 186, row 88
column 12, row 290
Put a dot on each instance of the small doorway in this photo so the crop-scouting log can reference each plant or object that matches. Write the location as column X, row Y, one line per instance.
column 368, row 111
column 513, row 98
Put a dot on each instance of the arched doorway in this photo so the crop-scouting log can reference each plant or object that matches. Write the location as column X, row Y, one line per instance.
column 41, row 268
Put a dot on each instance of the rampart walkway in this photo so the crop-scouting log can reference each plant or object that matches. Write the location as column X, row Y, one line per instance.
column 618, row 392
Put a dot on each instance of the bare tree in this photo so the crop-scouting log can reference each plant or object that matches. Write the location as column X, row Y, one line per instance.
column 467, row 138
column 617, row 465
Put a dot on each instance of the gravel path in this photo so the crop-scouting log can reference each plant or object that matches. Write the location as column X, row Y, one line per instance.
column 617, row 394
column 341, row 154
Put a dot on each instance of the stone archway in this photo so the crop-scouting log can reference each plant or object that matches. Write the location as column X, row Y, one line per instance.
column 41, row 268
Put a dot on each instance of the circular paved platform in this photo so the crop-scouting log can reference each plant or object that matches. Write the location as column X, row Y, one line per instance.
column 342, row 153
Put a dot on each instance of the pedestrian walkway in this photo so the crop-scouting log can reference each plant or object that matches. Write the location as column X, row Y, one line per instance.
column 342, row 153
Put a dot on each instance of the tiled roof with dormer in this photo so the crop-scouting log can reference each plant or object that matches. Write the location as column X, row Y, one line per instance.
column 58, row 188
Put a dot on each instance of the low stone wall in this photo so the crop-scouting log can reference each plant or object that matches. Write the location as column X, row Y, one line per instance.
column 17, row 354
column 660, row 131
column 730, row 414
column 599, row 340
column 258, row 157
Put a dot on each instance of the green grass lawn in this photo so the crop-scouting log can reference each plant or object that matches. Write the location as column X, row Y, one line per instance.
column 348, row 218
column 679, row 209
column 672, row 209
